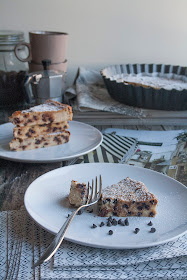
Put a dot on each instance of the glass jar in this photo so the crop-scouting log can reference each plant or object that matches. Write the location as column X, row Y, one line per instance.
column 12, row 70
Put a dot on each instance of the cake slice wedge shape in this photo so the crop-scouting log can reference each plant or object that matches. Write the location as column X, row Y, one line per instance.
column 127, row 198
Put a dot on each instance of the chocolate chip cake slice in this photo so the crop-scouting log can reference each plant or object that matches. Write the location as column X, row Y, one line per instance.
column 50, row 111
column 41, row 141
column 78, row 193
column 127, row 198
column 41, row 129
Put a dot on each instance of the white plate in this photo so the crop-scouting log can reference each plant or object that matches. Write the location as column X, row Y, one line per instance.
column 46, row 202
column 83, row 139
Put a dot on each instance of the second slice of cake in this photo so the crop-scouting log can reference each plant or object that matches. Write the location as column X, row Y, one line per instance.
column 127, row 198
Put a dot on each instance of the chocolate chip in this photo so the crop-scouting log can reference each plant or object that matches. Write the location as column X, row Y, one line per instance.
column 114, row 222
column 110, row 219
column 129, row 213
column 139, row 207
column 16, row 120
column 93, row 226
column 150, row 223
column 136, row 230
column 151, row 214
column 102, row 224
column 115, row 213
column 125, row 206
column 153, row 230
column 119, row 221
column 109, row 224
column 126, row 222
column 139, row 214
column 147, row 206
column 31, row 130
column 133, row 201
column 57, row 139
column 37, row 142
column 152, row 201
column 28, row 134
column 110, row 232
column 122, row 223
column 104, row 201
column 108, row 199
column 115, row 200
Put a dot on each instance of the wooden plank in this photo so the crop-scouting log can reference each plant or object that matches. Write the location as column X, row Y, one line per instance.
column 15, row 178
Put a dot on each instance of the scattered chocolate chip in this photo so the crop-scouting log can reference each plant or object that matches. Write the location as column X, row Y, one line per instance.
column 115, row 200
column 110, row 219
column 147, row 207
column 114, row 222
column 139, row 214
column 150, row 223
column 126, row 222
column 102, row 224
column 133, row 201
column 125, row 206
column 108, row 199
column 119, row 221
column 109, row 224
column 79, row 212
column 129, row 213
column 139, row 207
column 153, row 230
column 122, row 223
column 93, row 226
column 115, row 213
column 110, row 232
column 136, row 230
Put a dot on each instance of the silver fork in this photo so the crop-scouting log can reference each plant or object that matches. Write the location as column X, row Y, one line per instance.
column 93, row 195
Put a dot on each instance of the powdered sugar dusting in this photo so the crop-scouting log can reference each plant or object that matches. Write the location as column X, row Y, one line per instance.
column 127, row 190
column 153, row 80
column 43, row 108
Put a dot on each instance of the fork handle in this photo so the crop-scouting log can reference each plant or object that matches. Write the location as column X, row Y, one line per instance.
column 55, row 244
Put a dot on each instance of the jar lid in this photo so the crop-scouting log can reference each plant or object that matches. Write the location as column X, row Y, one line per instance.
column 11, row 37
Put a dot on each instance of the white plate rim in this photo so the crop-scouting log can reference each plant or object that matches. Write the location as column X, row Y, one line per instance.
column 57, row 159
column 90, row 244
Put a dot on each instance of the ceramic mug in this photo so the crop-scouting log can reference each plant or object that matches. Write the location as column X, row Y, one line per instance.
column 45, row 45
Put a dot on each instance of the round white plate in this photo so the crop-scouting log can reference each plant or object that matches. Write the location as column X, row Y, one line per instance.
column 83, row 139
column 46, row 200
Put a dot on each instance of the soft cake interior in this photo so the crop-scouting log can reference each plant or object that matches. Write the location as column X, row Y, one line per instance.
column 127, row 198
